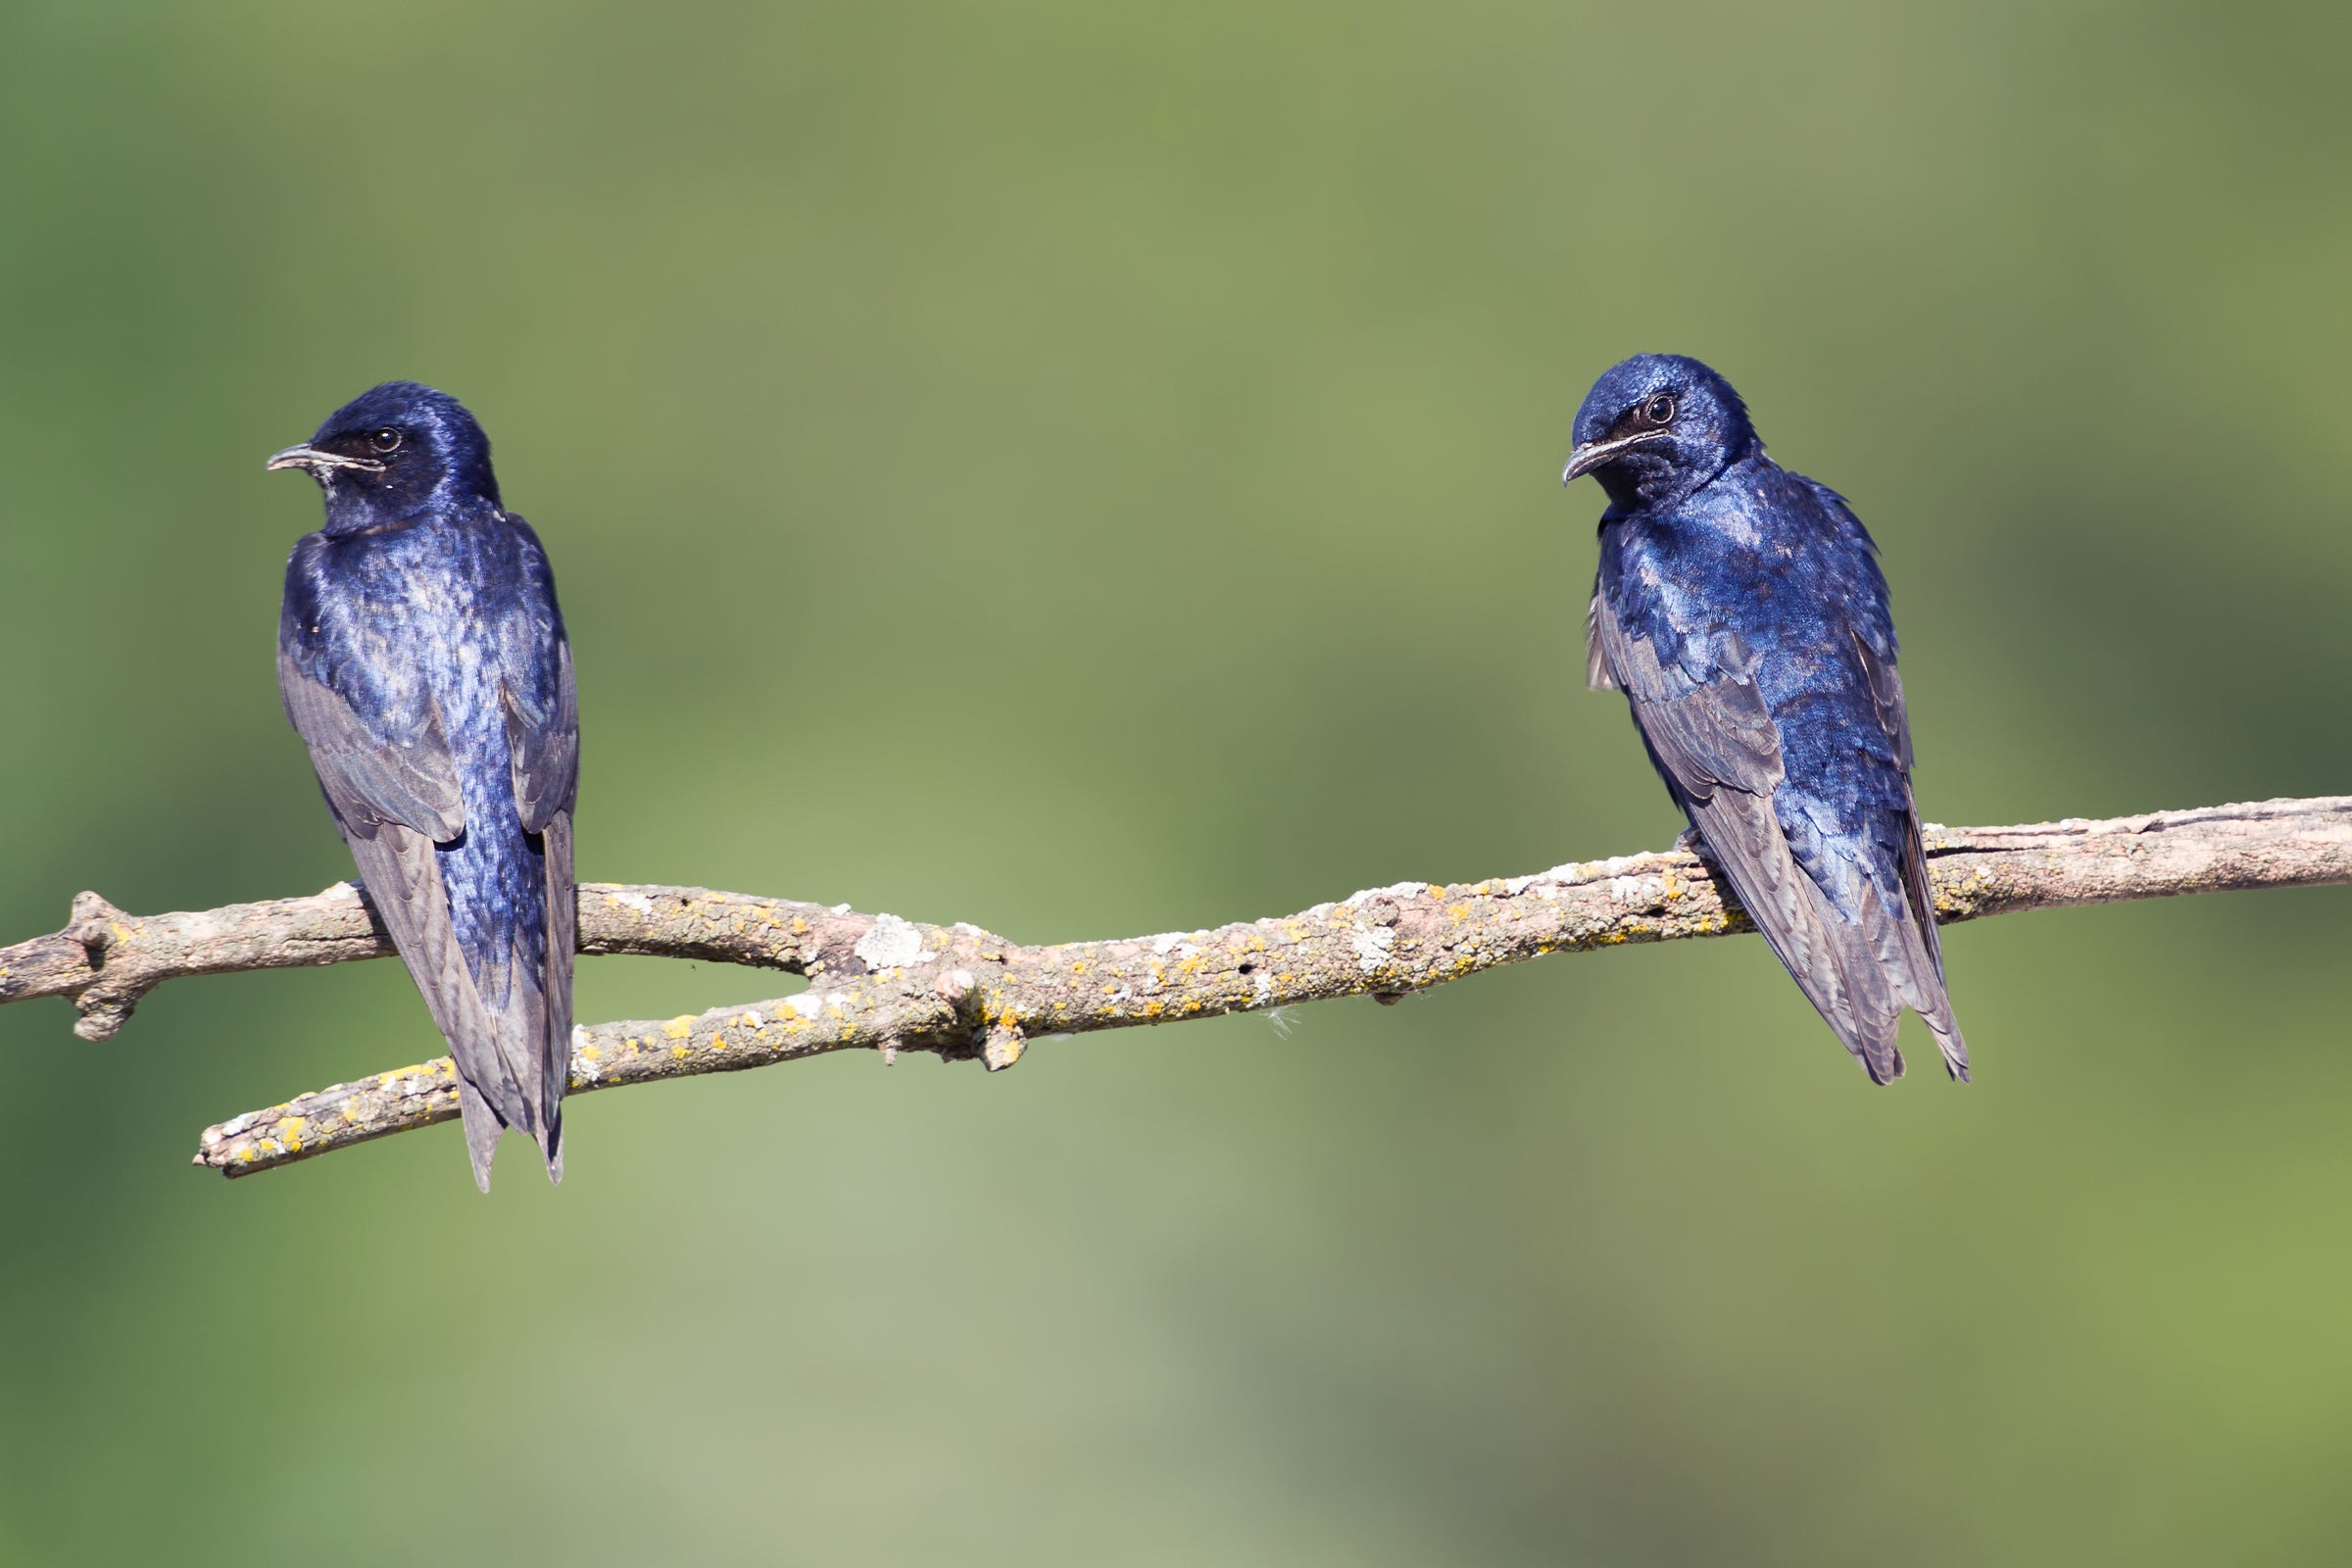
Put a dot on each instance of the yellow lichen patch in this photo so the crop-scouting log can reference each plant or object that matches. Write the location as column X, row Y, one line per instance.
column 680, row 1027
column 1078, row 967
column 718, row 1041
column 1153, row 1010
column 593, row 1052
column 679, row 1052
column 1460, row 911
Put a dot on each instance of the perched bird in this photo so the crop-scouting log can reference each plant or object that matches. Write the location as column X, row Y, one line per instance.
column 424, row 662
column 1741, row 610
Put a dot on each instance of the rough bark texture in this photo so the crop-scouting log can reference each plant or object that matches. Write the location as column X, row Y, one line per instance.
column 879, row 982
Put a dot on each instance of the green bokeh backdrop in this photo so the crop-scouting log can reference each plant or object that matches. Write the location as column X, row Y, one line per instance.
column 1093, row 469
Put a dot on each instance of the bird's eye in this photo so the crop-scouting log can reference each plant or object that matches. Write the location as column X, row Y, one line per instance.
column 385, row 440
column 1659, row 410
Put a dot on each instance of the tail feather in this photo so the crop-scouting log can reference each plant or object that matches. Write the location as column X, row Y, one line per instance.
column 482, row 1128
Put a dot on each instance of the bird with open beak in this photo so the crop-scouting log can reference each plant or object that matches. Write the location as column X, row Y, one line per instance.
column 422, row 660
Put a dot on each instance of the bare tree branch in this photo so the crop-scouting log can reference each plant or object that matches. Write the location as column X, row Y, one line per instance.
column 883, row 983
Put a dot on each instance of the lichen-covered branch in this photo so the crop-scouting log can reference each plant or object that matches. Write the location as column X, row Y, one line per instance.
column 883, row 983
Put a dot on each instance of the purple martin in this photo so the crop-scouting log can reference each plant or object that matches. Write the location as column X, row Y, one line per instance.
column 423, row 661
column 1741, row 610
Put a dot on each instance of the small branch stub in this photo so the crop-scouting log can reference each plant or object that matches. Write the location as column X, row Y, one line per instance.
column 1002, row 1045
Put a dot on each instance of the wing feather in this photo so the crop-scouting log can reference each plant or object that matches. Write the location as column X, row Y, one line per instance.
column 375, row 774
column 543, row 739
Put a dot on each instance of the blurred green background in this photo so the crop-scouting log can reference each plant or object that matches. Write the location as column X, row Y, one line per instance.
column 1092, row 471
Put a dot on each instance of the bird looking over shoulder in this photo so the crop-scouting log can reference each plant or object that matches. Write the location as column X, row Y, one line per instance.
column 1741, row 610
column 422, row 660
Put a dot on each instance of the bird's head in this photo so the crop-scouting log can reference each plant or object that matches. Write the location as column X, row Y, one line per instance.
column 392, row 450
column 1657, row 426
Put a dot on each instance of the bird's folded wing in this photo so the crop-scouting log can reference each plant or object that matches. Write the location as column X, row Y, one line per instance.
column 1717, row 742
column 1920, row 972
column 542, row 745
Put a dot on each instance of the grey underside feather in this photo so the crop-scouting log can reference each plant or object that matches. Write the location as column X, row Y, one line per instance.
column 1722, row 750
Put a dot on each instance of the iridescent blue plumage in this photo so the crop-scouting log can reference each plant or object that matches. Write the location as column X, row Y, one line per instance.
column 422, row 659
column 1741, row 609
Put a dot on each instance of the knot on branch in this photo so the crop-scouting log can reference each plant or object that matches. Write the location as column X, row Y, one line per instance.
column 106, row 1003
column 97, row 925
column 988, row 1027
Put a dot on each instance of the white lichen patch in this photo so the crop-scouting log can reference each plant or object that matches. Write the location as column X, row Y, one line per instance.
column 632, row 901
column 585, row 1066
column 1395, row 890
column 807, row 1004
column 1371, row 945
column 893, row 944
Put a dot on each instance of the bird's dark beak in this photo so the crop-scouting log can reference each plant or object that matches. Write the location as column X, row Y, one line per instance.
column 1594, row 453
column 320, row 463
